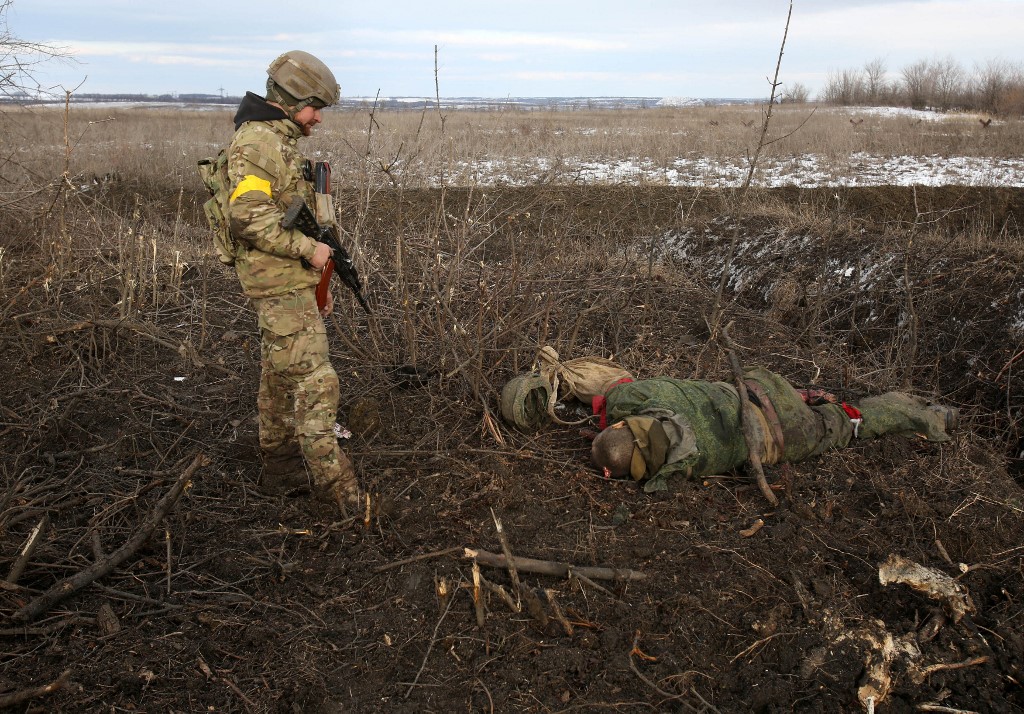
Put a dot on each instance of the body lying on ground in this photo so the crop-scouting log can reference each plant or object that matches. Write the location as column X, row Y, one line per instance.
column 664, row 427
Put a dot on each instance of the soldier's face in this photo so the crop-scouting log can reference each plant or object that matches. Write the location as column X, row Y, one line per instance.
column 307, row 119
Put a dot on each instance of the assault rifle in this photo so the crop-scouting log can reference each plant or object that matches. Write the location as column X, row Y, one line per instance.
column 299, row 216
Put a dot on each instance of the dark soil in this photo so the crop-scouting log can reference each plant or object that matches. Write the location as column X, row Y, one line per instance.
column 241, row 602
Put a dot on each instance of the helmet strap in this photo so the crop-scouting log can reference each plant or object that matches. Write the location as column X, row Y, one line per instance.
column 291, row 105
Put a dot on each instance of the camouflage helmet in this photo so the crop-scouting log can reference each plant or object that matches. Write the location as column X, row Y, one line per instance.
column 524, row 402
column 305, row 78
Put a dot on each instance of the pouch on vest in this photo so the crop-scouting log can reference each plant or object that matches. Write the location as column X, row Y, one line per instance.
column 325, row 209
column 214, row 173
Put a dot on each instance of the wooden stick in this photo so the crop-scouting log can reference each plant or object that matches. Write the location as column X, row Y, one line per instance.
column 478, row 596
column 499, row 591
column 550, row 567
column 27, row 550
column 574, row 574
column 426, row 656
column 47, row 629
column 510, row 560
column 15, row 698
column 748, row 420
column 167, row 542
column 415, row 558
column 557, row 611
column 69, row 586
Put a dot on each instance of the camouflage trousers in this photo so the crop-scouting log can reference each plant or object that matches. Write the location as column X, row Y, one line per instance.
column 299, row 389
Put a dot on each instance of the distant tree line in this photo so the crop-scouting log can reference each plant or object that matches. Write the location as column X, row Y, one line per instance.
column 996, row 87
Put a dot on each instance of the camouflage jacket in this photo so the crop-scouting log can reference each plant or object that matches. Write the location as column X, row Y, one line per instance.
column 266, row 171
column 702, row 432
column 700, row 420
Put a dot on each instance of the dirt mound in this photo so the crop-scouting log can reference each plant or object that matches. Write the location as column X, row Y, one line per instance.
column 239, row 602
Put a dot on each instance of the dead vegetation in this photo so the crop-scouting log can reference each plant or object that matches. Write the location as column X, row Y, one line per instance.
column 127, row 432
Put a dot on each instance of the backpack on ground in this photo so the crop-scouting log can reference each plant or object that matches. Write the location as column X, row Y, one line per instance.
column 214, row 173
column 582, row 378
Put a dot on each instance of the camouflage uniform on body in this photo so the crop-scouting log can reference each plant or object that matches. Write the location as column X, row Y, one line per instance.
column 299, row 389
column 692, row 427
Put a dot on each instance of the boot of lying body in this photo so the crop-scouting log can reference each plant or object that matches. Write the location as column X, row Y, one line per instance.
column 898, row 413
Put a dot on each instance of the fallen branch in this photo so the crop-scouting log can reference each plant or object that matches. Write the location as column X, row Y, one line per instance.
column 69, row 586
column 748, row 420
column 556, row 610
column 15, row 698
column 510, row 559
column 27, row 550
column 574, row 574
column 550, row 567
column 498, row 590
column 416, row 558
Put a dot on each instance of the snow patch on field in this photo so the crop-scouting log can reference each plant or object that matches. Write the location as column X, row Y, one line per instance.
column 805, row 171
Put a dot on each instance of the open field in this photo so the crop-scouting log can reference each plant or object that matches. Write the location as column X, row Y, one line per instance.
column 130, row 353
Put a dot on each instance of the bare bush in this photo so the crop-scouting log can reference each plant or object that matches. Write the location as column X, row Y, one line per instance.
column 20, row 58
column 797, row 93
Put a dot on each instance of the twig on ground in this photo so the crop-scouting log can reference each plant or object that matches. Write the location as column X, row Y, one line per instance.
column 69, row 586
column 500, row 592
column 550, row 567
column 926, row 672
column 46, row 630
column 574, row 574
column 416, row 558
column 15, row 698
column 551, row 595
column 632, row 665
column 478, row 596
column 27, row 550
column 510, row 561
column 433, row 641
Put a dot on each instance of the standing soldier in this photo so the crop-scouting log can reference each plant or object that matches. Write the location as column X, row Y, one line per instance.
column 279, row 269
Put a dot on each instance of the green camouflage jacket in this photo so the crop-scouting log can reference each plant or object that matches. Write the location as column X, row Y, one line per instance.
column 701, row 423
column 266, row 171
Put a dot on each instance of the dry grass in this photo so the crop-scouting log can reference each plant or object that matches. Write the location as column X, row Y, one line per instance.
column 467, row 279
column 408, row 149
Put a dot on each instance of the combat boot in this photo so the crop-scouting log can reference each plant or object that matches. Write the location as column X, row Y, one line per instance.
column 284, row 473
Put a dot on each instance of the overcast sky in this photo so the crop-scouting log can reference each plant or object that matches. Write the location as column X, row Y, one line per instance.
column 657, row 48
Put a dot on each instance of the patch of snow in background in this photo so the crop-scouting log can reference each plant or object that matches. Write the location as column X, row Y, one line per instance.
column 806, row 171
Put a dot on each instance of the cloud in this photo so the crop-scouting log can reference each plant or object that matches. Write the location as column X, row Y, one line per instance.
column 492, row 38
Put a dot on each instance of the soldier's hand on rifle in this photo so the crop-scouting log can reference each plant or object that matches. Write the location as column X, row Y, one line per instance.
column 328, row 307
column 321, row 256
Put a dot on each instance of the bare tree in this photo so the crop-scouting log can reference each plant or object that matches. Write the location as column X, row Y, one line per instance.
column 19, row 60
column 991, row 82
column 949, row 83
column 876, row 85
column 798, row 93
column 844, row 88
column 918, row 84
